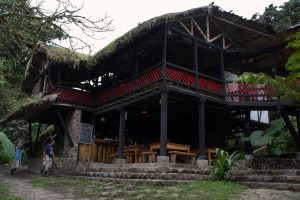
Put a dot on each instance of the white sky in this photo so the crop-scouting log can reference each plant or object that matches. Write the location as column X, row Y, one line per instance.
column 127, row 14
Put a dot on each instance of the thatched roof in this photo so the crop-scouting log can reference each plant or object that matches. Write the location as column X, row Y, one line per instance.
column 220, row 18
column 44, row 56
column 237, row 35
column 31, row 108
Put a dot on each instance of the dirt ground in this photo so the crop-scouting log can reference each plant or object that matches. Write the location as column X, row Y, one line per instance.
column 22, row 185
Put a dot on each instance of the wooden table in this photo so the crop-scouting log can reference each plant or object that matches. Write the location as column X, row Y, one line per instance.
column 171, row 147
column 134, row 149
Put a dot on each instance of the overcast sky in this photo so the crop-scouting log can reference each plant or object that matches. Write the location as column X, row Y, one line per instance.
column 127, row 14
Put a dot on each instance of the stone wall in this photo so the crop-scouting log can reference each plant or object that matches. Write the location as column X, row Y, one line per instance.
column 60, row 165
column 271, row 163
column 72, row 120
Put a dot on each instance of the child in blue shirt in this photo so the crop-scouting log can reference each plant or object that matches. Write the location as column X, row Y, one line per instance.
column 18, row 158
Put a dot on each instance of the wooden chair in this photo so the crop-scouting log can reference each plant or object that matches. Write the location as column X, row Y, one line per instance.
column 147, row 157
column 128, row 157
column 189, row 157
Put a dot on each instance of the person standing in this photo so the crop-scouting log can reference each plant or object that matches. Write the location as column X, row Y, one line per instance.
column 49, row 157
column 18, row 158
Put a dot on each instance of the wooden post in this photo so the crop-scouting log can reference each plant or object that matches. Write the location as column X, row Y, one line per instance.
column 30, row 138
column 222, row 69
column 62, row 123
column 207, row 28
column 49, row 80
column 163, row 123
column 291, row 128
column 37, row 137
column 274, row 64
column 201, row 127
column 164, row 52
column 59, row 78
column 248, row 146
column 121, row 134
column 195, row 63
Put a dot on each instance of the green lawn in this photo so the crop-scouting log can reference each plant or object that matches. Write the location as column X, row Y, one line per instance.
column 4, row 193
column 79, row 188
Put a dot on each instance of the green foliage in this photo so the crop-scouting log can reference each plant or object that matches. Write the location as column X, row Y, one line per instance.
column 7, row 148
column 277, row 138
column 280, row 17
column 224, row 162
column 293, row 64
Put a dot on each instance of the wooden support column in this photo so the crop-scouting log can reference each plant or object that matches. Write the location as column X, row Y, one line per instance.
column 201, row 129
column 163, row 123
column 164, row 52
column 121, row 134
column 59, row 78
column 62, row 123
column 274, row 64
column 222, row 71
column 37, row 137
column 248, row 146
column 195, row 63
column 30, row 138
column 49, row 80
column 94, row 126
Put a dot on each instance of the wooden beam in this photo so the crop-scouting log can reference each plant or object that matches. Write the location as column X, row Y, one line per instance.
column 199, row 29
column 224, row 33
column 245, row 27
column 291, row 128
column 62, row 123
column 215, row 38
column 185, row 28
column 207, row 28
column 192, row 27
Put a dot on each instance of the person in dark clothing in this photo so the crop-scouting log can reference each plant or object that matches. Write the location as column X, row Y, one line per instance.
column 48, row 158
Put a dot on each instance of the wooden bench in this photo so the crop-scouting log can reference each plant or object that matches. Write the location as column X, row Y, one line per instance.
column 147, row 157
column 189, row 157
column 128, row 157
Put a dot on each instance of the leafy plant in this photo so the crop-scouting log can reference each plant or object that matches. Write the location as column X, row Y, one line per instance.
column 224, row 162
column 7, row 148
column 277, row 138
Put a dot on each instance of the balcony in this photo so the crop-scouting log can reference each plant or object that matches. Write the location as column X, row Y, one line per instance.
column 175, row 78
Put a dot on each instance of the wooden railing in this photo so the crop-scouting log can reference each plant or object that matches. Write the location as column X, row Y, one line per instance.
column 179, row 77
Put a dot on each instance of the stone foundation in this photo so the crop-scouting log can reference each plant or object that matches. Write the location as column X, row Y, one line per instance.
column 270, row 163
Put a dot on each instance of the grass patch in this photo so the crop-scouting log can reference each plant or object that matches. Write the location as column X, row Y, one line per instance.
column 81, row 188
column 4, row 193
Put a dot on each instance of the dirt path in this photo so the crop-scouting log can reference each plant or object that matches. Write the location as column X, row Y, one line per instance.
column 268, row 194
column 20, row 186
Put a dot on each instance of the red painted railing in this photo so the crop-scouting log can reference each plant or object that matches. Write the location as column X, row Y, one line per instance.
column 234, row 92
column 241, row 92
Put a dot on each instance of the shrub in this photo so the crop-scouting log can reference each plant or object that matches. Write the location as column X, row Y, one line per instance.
column 224, row 162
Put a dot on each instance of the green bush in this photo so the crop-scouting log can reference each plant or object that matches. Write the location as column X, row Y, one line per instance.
column 7, row 148
column 224, row 162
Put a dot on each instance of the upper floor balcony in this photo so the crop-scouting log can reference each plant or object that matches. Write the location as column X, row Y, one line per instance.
column 173, row 78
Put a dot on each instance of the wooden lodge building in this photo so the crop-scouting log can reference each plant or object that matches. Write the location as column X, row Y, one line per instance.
column 165, row 89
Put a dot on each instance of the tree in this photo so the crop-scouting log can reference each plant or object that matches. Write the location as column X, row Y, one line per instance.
column 280, row 17
column 22, row 24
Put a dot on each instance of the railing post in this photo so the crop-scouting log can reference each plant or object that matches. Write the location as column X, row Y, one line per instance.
column 195, row 64
column 222, row 68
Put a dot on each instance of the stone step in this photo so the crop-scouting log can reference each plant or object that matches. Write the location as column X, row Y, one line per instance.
column 153, row 176
column 290, row 172
column 147, row 170
column 137, row 181
column 273, row 185
column 265, row 178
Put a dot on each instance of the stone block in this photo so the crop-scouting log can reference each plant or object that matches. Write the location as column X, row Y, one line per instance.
column 203, row 164
column 120, row 161
column 163, row 159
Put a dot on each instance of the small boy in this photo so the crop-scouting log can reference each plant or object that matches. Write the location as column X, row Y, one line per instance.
column 48, row 158
column 18, row 158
